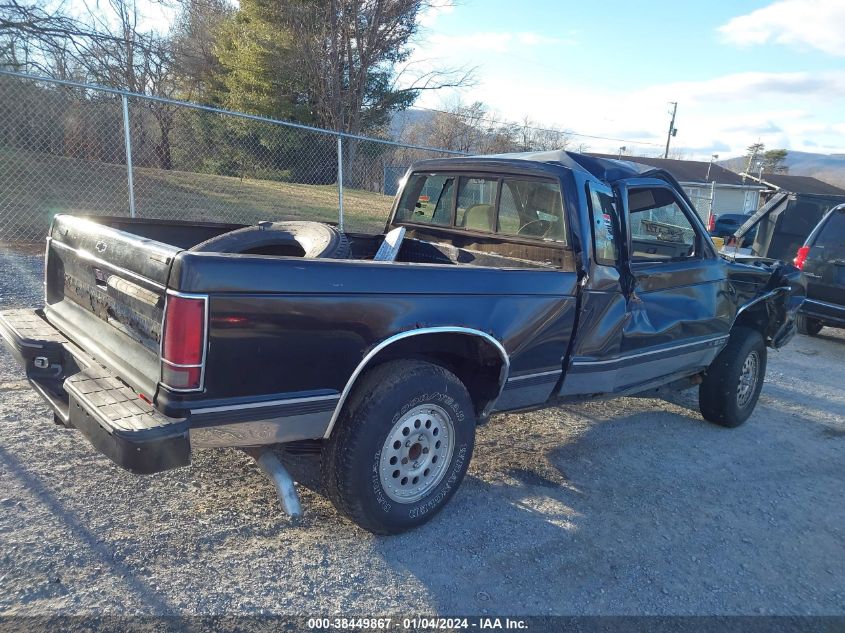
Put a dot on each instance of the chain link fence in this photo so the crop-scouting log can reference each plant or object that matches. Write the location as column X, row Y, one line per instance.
column 702, row 201
column 67, row 147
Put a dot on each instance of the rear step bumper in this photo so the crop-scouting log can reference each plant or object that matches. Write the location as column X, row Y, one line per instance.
column 87, row 396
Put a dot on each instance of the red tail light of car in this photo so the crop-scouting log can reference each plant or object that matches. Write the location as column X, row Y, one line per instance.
column 183, row 341
column 801, row 257
column 711, row 223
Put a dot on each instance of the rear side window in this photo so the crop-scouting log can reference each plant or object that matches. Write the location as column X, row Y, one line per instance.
column 427, row 199
column 832, row 234
column 531, row 208
column 605, row 219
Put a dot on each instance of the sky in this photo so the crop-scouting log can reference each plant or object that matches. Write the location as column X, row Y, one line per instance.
column 740, row 70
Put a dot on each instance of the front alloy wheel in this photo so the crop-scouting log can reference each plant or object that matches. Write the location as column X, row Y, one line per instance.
column 748, row 379
column 731, row 385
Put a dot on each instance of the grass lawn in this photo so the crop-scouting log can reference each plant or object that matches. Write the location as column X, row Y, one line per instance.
column 35, row 186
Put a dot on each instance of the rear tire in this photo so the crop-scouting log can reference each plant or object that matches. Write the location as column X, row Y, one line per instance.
column 733, row 382
column 401, row 448
column 809, row 326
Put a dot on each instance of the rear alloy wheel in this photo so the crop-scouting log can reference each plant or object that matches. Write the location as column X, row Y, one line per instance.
column 401, row 447
column 416, row 453
column 809, row 326
column 732, row 384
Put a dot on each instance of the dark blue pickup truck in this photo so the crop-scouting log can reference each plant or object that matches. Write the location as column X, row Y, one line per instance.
column 501, row 283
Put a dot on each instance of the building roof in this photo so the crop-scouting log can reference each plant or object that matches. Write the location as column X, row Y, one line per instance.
column 799, row 184
column 689, row 171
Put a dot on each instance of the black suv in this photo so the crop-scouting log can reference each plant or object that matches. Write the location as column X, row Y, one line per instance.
column 724, row 225
column 822, row 259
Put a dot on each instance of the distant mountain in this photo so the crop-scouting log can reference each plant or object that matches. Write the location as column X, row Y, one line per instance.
column 405, row 119
column 827, row 167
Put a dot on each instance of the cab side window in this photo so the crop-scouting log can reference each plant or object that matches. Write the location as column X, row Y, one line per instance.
column 660, row 229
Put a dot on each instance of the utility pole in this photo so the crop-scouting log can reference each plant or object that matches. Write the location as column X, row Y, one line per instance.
column 672, row 130
column 712, row 158
column 752, row 156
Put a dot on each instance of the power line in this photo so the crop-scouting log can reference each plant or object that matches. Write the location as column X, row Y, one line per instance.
column 538, row 129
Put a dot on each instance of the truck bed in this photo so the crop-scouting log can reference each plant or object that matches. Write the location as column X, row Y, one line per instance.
column 283, row 334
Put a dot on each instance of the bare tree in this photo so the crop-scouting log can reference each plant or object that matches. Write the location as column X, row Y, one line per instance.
column 355, row 55
column 535, row 138
column 473, row 128
column 41, row 36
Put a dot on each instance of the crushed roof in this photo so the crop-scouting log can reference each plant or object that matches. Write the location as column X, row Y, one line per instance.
column 689, row 170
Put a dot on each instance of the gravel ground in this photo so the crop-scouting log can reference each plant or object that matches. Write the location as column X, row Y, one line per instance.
column 631, row 506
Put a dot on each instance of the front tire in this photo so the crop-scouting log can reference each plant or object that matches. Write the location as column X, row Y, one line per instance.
column 733, row 382
column 401, row 448
column 809, row 326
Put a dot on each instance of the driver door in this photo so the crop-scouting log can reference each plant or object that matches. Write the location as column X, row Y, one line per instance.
column 678, row 315
column 655, row 306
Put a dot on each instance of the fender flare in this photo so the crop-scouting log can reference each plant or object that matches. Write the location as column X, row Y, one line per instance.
column 347, row 389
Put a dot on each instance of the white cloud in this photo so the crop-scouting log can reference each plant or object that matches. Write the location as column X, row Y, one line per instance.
column 815, row 24
column 722, row 114
column 754, row 86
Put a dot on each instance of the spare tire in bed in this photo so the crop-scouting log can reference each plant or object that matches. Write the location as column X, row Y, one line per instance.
column 297, row 239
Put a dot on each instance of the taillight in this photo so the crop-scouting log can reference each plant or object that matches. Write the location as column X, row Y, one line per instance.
column 711, row 223
column 183, row 342
column 801, row 257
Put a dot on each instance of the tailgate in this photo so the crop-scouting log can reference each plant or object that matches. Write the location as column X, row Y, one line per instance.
column 105, row 291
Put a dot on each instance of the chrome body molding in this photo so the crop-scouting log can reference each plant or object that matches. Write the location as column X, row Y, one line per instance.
column 258, row 433
column 266, row 403
column 712, row 342
column 522, row 377
column 527, row 390
column 402, row 335
column 262, row 422
column 47, row 259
